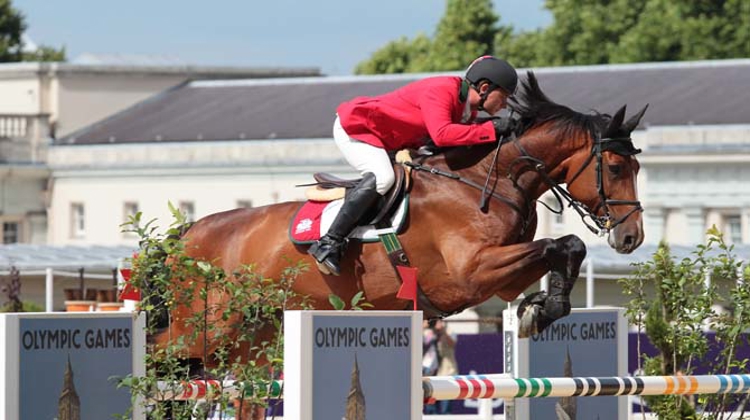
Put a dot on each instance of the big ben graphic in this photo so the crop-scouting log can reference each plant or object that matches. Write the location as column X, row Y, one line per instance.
column 355, row 401
column 69, row 405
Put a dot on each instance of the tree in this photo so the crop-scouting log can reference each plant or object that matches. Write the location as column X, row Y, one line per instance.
column 466, row 31
column 45, row 53
column 737, row 33
column 626, row 31
column 582, row 32
column 12, row 27
column 399, row 56
column 674, row 305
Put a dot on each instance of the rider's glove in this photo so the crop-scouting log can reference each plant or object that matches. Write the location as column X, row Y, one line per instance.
column 504, row 126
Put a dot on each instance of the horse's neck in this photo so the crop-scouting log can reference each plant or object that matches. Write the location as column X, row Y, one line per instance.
column 555, row 154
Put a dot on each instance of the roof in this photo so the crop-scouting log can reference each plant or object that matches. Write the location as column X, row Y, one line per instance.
column 27, row 257
column 128, row 59
column 607, row 260
column 137, row 68
column 679, row 93
column 38, row 257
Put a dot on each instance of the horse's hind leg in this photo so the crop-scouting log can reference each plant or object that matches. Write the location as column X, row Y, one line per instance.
column 537, row 311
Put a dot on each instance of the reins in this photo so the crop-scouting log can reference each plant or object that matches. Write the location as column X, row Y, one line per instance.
column 603, row 224
column 452, row 175
column 598, row 225
column 486, row 193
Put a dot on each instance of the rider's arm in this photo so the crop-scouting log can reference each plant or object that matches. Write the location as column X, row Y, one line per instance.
column 436, row 106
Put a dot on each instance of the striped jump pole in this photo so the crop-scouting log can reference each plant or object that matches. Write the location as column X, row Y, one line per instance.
column 506, row 387
column 199, row 389
column 496, row 386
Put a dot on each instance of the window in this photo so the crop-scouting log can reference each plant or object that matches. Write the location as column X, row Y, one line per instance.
column 187, row 208
column 11, row 232
column 77, row 220
column 733, row 228
column 244, row 204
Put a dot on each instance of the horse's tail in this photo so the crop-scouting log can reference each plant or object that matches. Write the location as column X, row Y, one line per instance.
column 157, row 312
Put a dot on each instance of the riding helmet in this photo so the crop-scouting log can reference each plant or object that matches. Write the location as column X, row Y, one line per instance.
column 497, row 71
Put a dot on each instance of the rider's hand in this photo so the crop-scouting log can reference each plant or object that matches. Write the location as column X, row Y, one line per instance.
column 504, row 126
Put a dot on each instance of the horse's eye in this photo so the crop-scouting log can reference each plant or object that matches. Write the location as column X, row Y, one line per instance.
column 615, row 169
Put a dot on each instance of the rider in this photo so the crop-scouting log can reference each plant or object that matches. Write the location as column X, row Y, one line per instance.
column 439, row 108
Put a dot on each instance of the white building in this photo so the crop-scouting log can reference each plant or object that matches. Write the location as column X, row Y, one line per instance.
column 43, row 101
column 208, row 146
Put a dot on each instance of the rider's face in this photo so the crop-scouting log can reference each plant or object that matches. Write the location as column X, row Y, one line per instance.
column 496, row 100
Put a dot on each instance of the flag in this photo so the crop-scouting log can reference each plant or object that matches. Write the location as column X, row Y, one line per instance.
column 128, row 291
column 408, row 289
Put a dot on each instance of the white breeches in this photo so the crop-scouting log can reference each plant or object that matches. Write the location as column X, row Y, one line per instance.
column 365, row 158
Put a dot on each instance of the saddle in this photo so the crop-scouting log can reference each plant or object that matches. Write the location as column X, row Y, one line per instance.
column 324, row 198
column 332, row 186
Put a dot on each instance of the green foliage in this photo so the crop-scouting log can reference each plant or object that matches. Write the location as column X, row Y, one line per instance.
column 357, row 303
column 582, row 32
column 26, row 306
column 681, row 308
column 46, row 53
column 466, row 31
column 12, row 27
column 626, row 31
column 243, row 301
column 399, row 56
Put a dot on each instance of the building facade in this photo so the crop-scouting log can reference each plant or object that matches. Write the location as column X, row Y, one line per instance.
column 44, row 101
column 209, row 146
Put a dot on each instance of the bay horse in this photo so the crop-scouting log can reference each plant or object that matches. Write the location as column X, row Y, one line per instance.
column 466, row 253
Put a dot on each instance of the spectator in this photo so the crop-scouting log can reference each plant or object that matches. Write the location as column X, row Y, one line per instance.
column 438, row 358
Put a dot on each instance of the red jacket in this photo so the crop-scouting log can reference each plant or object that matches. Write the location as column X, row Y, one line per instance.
column 408, row 116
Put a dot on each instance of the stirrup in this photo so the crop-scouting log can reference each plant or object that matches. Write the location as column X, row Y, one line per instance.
column 325, row 252
column 328, row 267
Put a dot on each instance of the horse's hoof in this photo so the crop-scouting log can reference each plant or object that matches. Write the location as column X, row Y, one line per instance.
column 527, row 321
column 528, row 314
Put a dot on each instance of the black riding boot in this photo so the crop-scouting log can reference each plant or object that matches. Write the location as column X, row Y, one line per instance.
column 329, row 249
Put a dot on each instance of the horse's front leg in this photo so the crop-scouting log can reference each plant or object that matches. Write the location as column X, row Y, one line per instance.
column 538, row 310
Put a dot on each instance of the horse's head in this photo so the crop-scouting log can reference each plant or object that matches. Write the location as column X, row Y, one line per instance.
column 593, row 154
column 604, row 178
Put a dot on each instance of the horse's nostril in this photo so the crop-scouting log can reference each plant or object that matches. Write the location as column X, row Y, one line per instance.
column 629, row 240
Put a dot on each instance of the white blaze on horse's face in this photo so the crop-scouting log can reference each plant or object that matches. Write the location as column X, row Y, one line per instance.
column 621, row 183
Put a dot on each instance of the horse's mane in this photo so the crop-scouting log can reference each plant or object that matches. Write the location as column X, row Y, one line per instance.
column 535, row 108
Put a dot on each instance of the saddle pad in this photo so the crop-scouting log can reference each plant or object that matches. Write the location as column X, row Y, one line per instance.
column 314, row 218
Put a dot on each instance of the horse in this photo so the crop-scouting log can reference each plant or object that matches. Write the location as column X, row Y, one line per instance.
column 471, row 222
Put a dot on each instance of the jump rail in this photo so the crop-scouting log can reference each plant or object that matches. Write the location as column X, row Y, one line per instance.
column 208, row 390
column 502, row 386
column 506, row 387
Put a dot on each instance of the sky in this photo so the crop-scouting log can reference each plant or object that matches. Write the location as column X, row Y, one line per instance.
column 332, row 35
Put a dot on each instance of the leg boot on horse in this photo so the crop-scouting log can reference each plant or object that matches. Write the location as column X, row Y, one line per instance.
column 329, row 249
column 538, row 310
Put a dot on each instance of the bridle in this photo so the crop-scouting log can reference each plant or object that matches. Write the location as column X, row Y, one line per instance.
column 598, row 225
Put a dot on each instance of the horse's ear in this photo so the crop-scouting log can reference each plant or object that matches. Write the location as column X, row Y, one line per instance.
column 633, row 122
column 615, row 122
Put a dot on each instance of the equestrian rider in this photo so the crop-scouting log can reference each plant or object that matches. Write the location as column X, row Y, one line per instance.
column 439, row 108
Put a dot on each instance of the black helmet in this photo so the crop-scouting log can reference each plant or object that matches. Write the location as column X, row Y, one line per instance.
column 497, row 71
